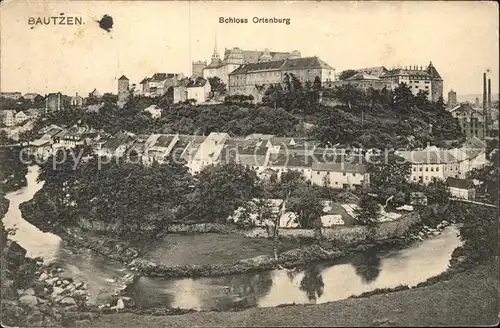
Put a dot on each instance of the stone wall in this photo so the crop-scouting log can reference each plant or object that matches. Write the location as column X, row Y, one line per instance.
column 349, row 234
column 342, row 234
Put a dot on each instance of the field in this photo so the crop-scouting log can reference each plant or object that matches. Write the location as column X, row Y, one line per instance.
column 469, row 298
column 212, row 248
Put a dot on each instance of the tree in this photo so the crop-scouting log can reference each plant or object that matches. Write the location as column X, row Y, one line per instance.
column 388, row 174
column 305, row 203
column 312, row 283
column 347, row 74
column 437, row 192
column 368, row 211
column 217, row 85
column 367, row 265
column 221, row 189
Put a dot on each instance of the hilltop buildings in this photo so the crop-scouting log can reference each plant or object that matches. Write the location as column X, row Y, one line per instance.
column 235, row 57
column 159, row 84
column 76, row 100
column 471, row 120
column 123, row 90
column 11, row 95
column 54, row 102
column 253, row 79
column 192, row 88
column 362, row 81
column 452, row 99
column 417, row 78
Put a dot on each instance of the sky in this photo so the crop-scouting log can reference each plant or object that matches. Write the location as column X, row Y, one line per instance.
column 460, row 38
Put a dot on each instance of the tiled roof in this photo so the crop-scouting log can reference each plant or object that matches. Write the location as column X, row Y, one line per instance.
column 281, row 141
column 459, row 183
column 433, row 71
column 375, row 71
column 339, row 167
column 362, row 76
column 282, row 160
column 252, row 150
column 164, row 140
column 306, row 62
column 263, row 66
column 192, row 82
column 145, row 80
column 252, row 56
column 251, row 160
column 259, row 136
column 475, row 142
column 120, row 139
column 428, row 156
column 123, row 77
column 158, row 77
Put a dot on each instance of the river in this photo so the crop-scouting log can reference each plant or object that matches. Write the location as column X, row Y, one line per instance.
column 99, row 273
column 317, row 283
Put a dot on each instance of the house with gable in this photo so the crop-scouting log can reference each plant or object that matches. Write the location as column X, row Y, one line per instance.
column 159, row 84
column 461, row 188
column 158, row 147
column 208, row 152
column 194, row 87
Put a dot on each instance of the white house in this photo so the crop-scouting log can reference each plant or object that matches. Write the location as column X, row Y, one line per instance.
column 76, row 100
column 431, row 163
column 208, row 152
column 20, row 117
column 154, row 110
column 195, row 87
column 461, row 188
column 115, row 146
column 8, row 117
column 158, row 146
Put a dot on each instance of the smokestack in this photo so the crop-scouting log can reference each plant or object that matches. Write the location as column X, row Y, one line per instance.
column 489, row 94
column 484, row 91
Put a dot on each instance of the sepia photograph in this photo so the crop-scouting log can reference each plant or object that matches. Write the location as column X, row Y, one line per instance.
column 249, row 163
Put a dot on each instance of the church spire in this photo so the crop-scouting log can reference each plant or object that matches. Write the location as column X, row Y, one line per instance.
column 215, row 56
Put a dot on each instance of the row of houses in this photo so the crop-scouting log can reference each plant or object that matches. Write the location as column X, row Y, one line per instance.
column 434, row 163
column 268, row 155
column 10, row 117
column 18, row 95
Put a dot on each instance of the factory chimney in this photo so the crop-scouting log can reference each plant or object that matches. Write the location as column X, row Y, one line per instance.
column 485, row 97
column 489, row 94
column 484, row 92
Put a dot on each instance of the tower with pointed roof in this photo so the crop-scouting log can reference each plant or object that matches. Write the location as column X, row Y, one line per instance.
column 215, row 55
column 123, row 89
column 436, row 83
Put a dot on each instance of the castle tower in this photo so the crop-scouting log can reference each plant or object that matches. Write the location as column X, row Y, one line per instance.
column 436, row 83
column 197, row 68
column 452, row 98
column 123, row 88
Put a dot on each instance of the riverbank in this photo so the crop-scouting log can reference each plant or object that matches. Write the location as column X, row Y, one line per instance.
column 211, row 254
column 468, row 298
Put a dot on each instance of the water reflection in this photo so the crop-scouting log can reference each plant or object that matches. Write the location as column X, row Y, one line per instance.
column 367, row 265
column 317, row 283
column 312, row 283
column 221, row 293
